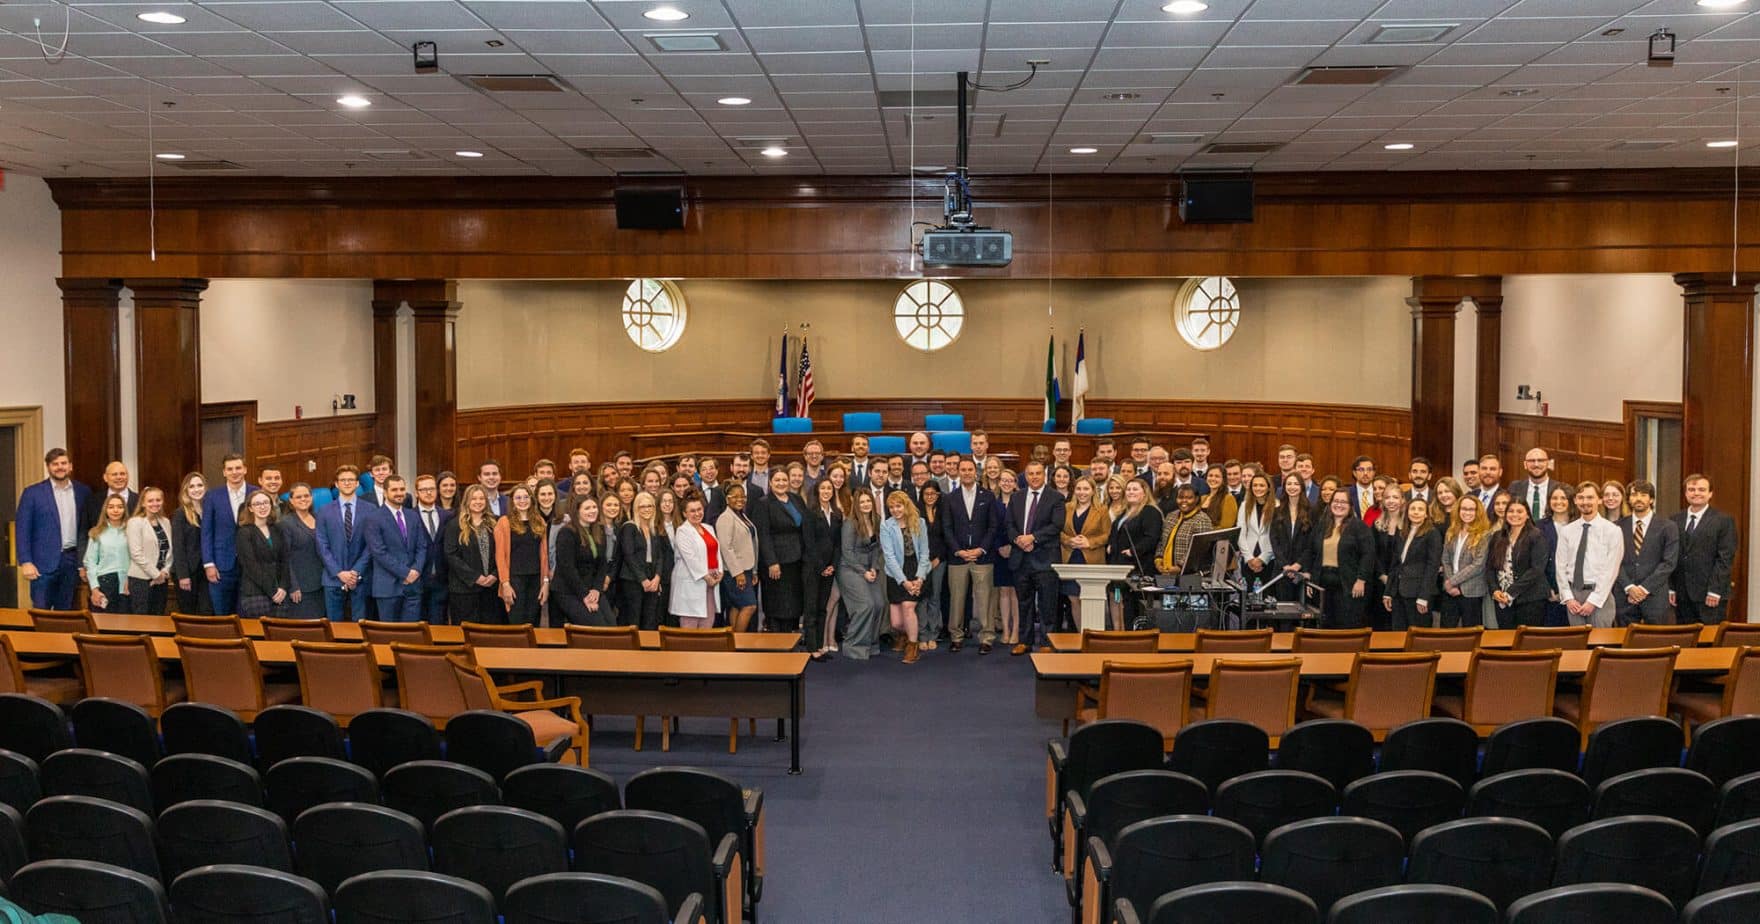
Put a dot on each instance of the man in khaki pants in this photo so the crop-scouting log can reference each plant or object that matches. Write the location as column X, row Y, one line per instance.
column 973, row 527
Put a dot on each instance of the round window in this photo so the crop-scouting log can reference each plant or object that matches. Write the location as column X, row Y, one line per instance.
column 928, row 314
column 653, row 314
column 1207, row 311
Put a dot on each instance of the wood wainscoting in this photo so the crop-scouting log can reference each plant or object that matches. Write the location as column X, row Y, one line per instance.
column 517, row 437
column 309, row 450
column 1582, row 450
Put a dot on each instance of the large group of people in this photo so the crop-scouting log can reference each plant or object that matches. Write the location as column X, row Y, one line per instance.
column 861, row 553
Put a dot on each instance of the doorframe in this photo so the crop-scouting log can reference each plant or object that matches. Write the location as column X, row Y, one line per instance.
column 29, row 452
column 219, row 410
column 1631, row 411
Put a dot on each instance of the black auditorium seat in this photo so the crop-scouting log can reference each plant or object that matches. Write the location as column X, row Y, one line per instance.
column 99, row 774
column 208, row 831
column 343, row 839
column 229, row 893
column 300, row 783
column 1337, row 750
column 496, row 846
column 117, row 726
column 412, row 897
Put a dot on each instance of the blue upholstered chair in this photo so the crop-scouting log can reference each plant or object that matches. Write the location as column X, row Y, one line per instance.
column 959, row 441
column 886, row 445
column 934, row 422
column 791, row 425
column 862, row 422
column 1097, row 426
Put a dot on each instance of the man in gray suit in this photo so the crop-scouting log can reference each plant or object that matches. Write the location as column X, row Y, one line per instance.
column 1537, row 487
column 1652, row 549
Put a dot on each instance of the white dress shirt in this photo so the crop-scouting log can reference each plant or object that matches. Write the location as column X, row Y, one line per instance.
column 67, row 509
column 1606, row 547
column 970, row 497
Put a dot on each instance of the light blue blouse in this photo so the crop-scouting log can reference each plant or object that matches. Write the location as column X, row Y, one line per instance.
column 107, row 554
column 892, row 546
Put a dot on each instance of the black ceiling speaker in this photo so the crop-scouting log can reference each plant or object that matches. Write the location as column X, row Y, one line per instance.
column 650, row 209
column 1220, row 197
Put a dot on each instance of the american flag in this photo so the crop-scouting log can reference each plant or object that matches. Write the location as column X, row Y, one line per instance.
column 804, row 406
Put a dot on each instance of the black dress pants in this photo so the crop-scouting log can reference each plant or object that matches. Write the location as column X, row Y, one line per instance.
column 815, row 597
column 637, row 607
column 1036, row 592
column 1342, row 611
column 782, row 598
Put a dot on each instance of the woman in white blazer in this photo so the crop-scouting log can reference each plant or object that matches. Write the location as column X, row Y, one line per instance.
column 1254, row 545
column 696, row 571
column 149, row 554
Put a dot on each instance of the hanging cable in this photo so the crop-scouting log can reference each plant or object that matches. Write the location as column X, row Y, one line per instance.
column 1051, row 247
column 152, row 189
column 910, row 133
column 1033, row 72
column 58, row 54
column 1735, row 203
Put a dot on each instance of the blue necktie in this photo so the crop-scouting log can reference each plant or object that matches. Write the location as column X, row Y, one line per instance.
column 348, row 522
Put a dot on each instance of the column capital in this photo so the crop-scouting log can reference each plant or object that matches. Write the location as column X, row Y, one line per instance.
column 169, row 291
column 1434, row 295
column 424, row 296
column 1716, row 285
column 89, row 292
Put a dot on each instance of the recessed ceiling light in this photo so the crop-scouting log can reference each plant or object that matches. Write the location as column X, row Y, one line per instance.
column 1185, row 6
column 1720, row 4
column 1721, row 144
column 160, row 17
column 1397, row 146
column 774, row 151
column 1517, row 91
column 667, row 14
column 734, row 101
column 1121, row 97
column 1084, row 150
column 467, row 153
column 354, row 102
column 169, row 156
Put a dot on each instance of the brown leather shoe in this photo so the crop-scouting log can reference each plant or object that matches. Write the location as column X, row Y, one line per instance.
column 955, row 646
column 984, row 648
column 898, row 643
column 1018, row 650
column 910, row 653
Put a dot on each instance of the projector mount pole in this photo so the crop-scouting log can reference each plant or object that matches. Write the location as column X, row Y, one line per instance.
column 957, row 196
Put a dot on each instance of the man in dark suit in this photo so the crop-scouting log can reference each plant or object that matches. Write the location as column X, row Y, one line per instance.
column 433, row 520
column 919, row 477
column 372, row 491
column 971, row 525
column 1652, row 548
column 399, row 547
column 1537, row 487
column 220, row 533
column 115, row 483
column 1419, row 475
column 342, row 544
column 49, row 527
column 777, row 519
column 1035, row 520
column 489, row 476
column 580, row 465
column 1183, row 474
column 859, row 463
column 1707, row 552
column 709, row 483
column 1362, row 487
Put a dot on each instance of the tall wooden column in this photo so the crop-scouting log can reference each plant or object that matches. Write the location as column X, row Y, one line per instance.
column 1488, row 370
column 1717, row 396
column 434, row 306
column 168, row 378
column 93, row 379
column 1436, row 303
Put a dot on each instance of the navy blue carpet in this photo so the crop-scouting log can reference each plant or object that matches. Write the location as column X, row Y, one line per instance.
column 922, row 797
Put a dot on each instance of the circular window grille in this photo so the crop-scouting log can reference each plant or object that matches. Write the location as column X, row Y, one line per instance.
column 653, row 314
column 1207, row 312
column 928, row 314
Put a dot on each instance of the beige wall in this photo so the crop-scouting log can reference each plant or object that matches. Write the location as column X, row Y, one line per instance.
column 560, row 342
column 1590, row 343
column 282, row 342
column 30, row 312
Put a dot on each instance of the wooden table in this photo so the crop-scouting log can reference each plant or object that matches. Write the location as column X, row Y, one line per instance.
column 19, row 620
column 1058, row 673
column 1378, row 641
column 679, row 683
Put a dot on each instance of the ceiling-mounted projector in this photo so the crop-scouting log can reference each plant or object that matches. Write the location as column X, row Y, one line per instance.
column 959, row 241
column 975, row 247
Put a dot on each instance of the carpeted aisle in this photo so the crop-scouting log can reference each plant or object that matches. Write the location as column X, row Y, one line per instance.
column 922, row 798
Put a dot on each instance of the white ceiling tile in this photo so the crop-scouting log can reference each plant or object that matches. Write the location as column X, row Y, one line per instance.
column 410, row 14
column 569, row 41
column 289, row 15
column 817, row 38
column 924, row 11
column 537, row 14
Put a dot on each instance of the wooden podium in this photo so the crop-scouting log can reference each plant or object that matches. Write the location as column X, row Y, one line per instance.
column 1093, row 580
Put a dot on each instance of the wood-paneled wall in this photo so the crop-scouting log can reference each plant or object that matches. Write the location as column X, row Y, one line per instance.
column 1582, row 450
column 517, row 437
column 830, row 227
column 323, row 442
